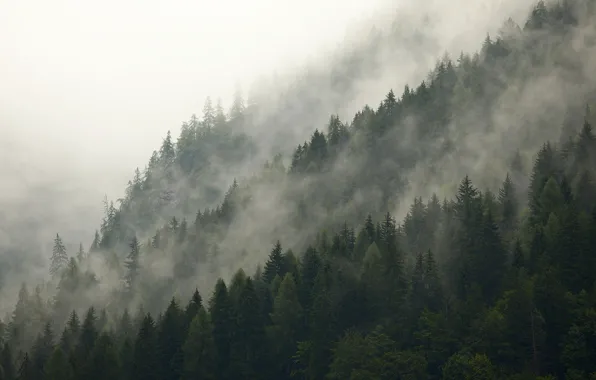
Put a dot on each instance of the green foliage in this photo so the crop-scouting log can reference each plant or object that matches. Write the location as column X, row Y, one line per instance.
column 200, row 354
column 488, row 285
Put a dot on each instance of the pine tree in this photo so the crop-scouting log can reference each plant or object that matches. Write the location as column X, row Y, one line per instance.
column 417, row 291
column 182, row 231
column 544, row 168
column 145, row 364
column 490, row 259
column 125, row 327
column 311, row 263
column 126, row 355
column 507, row 204
column 59, row 257
column 170, row 337
column 220, row 117
column 95, row 244
column 392, row 259
column 58, row 367
column 221, row 315
column 193, row 307
column 432, row 283
column 247, row 353
column 81, row 253
column 287, row 317
column 208, row 114
column 132, row 263
column 71, row 332
column 26, row 369
column 200, row 353
column 7, row 363
column 103, row 360
column 167, row 153
column 86, row 341
column 21, row 318
column 42, row 350
column 274, row 265
column 518, row 255
column 237, row 109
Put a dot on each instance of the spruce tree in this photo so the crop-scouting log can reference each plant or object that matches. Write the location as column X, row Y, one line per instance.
column 200, row 353
column 145, row 364
column 170, row 337
column 58, row 367
column 193, row 307
column 274, row 265
column 80, row 253
column 221, row 315
column 132, row 263
column 507, row 204
column 208, row 114
column 7, row 363
column 86, row 342
column 103, row 360
column 59, row 257
column 287, row 322
column 26, row 369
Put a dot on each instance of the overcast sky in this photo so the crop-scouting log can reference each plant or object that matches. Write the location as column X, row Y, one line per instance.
column 103, row 81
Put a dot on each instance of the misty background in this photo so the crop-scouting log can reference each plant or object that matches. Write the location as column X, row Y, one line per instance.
column 88, row 91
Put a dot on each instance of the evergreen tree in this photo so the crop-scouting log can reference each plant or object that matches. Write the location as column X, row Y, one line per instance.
column 41, row 351
column 26, row 369
column 491, row 259
column 193, row 307
column 132, row 263
column 220, row 117
column 208, row 113
column 238, row 107
column 81, row 253
column 103, row 360
column 167, row 153
column 220, row 311
column 507, row 204
column 247, row 353
column 170, row 337
column 287, row 319
column 59, row 257
column 58, row 367
column 274, row 265
column 95, row 244
column 518, row 255
column 7, row 363
column 145, row 364
column 200, row 354
column 86, row 342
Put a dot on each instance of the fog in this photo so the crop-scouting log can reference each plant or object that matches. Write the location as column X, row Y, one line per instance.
column 87, row 91
column 105, row 81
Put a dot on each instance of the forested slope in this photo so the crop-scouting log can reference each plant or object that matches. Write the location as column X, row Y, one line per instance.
column 370, row 275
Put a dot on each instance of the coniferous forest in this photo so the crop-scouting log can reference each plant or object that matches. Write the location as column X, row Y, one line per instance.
column 314, row 267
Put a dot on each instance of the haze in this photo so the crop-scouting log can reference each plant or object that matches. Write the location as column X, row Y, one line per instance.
column 87, row 90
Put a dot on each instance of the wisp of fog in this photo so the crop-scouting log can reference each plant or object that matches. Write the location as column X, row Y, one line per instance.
column 87, row 91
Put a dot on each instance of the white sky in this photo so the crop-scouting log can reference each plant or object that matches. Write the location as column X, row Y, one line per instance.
column 99, row 83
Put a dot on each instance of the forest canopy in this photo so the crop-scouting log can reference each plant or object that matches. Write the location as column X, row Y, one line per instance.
column 414, row 242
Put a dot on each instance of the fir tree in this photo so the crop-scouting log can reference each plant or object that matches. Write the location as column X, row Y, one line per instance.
column 274, row 265
column 59, row 257
column 145, row 361
column 132, row 263
column 200, row 353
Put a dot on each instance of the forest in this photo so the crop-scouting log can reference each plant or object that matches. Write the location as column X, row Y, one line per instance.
column 379, row 249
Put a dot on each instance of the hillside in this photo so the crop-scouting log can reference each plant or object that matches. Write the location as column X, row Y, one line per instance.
column 446, row 233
